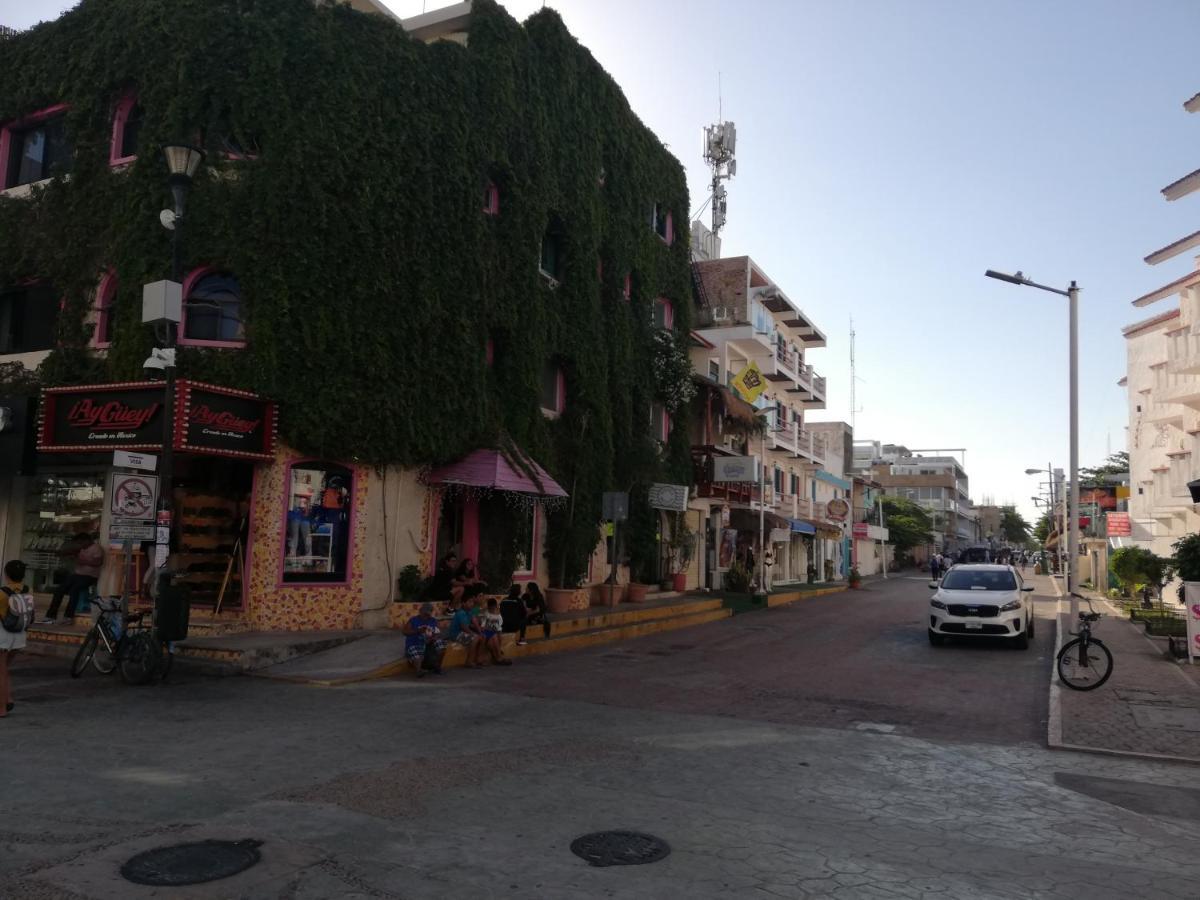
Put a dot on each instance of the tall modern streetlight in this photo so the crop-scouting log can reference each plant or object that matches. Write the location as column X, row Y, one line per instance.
column 1072, row 294
column 162, row 305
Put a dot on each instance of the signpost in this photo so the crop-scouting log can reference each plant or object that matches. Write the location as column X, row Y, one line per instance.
column 735, row 468
column 614, row 507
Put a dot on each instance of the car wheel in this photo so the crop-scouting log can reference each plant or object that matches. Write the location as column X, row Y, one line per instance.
column 1021, row 641
column 936, row 639
column 1029, row 629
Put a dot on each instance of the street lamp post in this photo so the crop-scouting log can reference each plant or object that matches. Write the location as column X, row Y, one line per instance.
column 1072, row 294
column 183, row 160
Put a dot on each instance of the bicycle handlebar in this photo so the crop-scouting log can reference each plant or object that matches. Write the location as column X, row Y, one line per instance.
column 1089, row 616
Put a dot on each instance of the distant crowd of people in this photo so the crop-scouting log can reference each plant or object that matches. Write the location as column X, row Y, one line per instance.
column 940, row 563
column 474, row 622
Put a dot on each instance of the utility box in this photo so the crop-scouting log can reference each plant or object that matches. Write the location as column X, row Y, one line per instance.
column 162, row 301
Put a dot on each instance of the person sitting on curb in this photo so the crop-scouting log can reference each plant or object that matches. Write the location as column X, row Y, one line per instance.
column 491, row 623
column 465, row 630
column 535, row 608
column 423, row 645
column 513, row 615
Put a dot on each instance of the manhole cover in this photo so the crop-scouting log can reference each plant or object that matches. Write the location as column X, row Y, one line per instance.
column 191, row 863
column 620, row 848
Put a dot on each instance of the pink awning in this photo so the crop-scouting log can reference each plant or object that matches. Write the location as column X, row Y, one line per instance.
column 490, row 469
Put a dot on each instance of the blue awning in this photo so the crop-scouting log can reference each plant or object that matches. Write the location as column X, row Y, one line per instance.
column 802, row 527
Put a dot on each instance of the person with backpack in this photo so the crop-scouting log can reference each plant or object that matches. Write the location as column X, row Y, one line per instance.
column 16, row 615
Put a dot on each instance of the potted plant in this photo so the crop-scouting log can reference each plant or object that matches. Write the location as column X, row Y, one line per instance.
column 1187, row 567
column 682, row 548
column 855, row 578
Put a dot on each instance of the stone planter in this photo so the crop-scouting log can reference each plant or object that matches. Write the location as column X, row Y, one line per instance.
column 559, row 600
column 637, row 592
column 607, row 595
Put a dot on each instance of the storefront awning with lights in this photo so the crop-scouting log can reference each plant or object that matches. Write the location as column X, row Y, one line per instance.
column 493, row 470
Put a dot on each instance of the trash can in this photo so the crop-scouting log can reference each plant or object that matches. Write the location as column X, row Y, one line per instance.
column 172, row 609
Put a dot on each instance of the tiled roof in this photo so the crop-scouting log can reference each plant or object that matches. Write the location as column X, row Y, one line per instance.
column 724, row 280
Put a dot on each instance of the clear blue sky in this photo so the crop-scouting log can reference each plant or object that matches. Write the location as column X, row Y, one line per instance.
column 890, row 152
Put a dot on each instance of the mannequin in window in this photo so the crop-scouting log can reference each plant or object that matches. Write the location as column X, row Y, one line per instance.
column 298, row 542
column 334, row 504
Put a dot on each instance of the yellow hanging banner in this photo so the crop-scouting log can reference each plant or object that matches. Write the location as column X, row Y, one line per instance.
column 750, row 383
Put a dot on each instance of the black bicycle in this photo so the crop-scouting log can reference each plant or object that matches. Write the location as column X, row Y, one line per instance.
column 124, row 641
column 1084, row 663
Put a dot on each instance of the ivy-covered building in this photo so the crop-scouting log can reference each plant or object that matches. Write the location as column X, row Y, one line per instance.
column 439, row 257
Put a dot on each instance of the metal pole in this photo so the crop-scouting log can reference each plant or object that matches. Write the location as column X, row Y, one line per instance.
column 762, row 511
column 1053, row 510
column 1073, row 488
column 882, row 545
column 166, row 488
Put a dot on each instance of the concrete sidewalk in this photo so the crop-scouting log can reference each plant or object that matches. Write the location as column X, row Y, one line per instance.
column 1149, row 707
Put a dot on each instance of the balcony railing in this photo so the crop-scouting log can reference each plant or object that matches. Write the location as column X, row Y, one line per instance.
column 1183, row 352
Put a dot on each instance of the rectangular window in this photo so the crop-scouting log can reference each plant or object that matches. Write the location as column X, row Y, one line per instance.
column 28, row 317
column 35, row 149
column 491, row 199
column 552, row 390
column 664, row 314
column 660, row 423
column 714, row 370
column 778, row 481
column 795, row 484
column 317, row 533
column 663, row 223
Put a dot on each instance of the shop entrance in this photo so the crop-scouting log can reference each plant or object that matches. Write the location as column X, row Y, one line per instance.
column 212, row 499
column 496, row 529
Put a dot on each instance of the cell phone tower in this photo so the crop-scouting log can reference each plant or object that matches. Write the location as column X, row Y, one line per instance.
column 720, row 141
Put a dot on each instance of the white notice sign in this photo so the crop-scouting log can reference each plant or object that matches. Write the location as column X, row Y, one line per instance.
column 124, row 459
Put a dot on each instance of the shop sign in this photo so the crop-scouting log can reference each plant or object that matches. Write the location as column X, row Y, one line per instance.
column 1191, row 593
column 735, row 468
column 614, row 506
column 123, row 459
column 862, row 530
column 669, row 496
column 781, row 535
column 750, row 382
column 837, row 509
column 1119, row 524
column 224, row 422
column 125, row 416
column 725, row 516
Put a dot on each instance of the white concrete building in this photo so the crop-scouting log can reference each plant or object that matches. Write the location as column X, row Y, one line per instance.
column 1163, row 386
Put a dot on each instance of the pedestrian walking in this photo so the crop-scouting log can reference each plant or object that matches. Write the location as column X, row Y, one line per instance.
column 16, row 614
column 89, row 558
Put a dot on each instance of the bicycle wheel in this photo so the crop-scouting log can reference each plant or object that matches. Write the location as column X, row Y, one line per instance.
column 84, row 654
column 104, row 659
column 1084, row 668
column 138, row 658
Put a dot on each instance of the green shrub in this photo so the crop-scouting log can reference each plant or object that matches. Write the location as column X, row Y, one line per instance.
column 738, row 579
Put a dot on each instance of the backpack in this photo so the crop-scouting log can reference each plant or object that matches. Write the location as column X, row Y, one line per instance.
column 18, row 611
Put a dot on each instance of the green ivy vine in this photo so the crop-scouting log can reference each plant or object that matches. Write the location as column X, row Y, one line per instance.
column 372, row 280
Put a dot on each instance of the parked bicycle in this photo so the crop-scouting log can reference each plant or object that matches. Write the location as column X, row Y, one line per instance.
column 124, row 641
column 1084, row 663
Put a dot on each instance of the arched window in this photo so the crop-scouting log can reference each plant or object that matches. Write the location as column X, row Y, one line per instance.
column 106, row 292
column 212, row 310
column 318, row 518
column 127, row 127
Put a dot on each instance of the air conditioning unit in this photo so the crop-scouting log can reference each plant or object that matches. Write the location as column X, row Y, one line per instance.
column 721, row 314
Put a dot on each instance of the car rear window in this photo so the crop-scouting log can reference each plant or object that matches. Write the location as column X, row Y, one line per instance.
column 968, row 580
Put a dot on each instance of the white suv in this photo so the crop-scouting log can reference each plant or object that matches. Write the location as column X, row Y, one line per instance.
column 986, row 600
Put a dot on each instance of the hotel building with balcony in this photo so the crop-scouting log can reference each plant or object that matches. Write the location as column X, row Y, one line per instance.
column 743, row 316
column 1162, row 382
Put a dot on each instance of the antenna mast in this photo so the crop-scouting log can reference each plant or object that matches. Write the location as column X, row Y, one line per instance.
column 720, row 140
column 855, row 409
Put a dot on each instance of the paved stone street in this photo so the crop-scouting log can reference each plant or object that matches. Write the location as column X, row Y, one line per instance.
column 818, row 750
